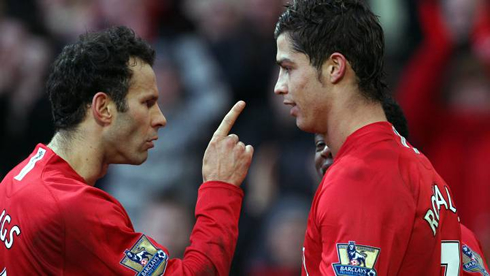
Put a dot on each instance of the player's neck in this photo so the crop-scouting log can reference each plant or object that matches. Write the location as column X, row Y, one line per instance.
column 81, row 153
column 349, row 118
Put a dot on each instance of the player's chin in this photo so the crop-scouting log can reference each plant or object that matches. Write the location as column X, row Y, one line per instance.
column 140, row 162
column 304, row 125
column 139, row 158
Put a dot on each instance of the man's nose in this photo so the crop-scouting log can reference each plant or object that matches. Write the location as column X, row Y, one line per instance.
column 280, row 87
column 326, row 152
column 159, row 120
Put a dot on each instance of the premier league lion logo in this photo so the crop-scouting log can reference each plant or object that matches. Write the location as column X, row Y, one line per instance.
column 356, row 259
column 142, row 257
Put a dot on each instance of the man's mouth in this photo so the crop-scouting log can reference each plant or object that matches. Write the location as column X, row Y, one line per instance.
column 294, row 109
column 149, row 143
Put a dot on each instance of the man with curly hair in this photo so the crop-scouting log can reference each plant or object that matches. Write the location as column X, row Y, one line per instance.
column 55, row 222
column 380, row 196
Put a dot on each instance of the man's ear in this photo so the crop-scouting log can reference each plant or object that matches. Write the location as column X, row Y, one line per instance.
column 337, row 67
column 102, row 108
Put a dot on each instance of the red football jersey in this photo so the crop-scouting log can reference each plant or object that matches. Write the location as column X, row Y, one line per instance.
column 472, row 254
column 53, row 223
column 381, row 209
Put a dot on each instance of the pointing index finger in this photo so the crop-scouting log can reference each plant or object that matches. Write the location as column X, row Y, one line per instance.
column 229, row 120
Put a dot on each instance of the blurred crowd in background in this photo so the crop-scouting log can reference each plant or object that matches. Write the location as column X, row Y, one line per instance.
column 211, row 53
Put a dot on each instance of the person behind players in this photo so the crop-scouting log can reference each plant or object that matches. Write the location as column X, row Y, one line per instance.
column 104, row 100
column 381, row 208
column 472, row 259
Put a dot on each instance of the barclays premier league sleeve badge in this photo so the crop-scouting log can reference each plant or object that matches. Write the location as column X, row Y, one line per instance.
column 472, row 262
column 145, row 259
column 358, row 260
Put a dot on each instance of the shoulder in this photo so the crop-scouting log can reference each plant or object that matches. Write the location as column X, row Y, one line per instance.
column 370, row 180
column 77, row 204
column 396, row 159
column 86, row 203
column 359, row 176
column 365, row 166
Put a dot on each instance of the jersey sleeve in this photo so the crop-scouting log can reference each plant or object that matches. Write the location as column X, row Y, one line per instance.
column 100, row 239
column 365, row 222
column 214, row 236
column 473, row 258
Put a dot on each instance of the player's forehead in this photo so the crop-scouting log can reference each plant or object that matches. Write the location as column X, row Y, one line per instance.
column 285, row 50
column 287, row 56
column 143, row 79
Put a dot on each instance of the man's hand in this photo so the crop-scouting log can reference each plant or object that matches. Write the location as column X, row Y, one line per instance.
column 227, row 159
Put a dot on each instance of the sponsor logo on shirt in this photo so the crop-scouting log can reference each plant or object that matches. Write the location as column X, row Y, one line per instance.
column 472, row 262
column 356, row 259
column 145, row 259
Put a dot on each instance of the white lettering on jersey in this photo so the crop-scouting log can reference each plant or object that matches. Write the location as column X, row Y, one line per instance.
column 432, row 216
column 5, row 231
column 438, row 200
column 451, row 207
column 403, row 140
column 4, row 272
column 39, row 155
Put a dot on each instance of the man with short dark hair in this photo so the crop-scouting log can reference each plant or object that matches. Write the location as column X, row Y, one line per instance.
column 381, row 208
column 53, row 221
column 472, row 257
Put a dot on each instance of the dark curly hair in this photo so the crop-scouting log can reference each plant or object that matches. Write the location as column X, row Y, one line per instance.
column 319, row 28
column 394, row 115
column 97, row 62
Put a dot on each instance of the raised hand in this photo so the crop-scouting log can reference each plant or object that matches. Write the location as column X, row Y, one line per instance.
column 226, row 158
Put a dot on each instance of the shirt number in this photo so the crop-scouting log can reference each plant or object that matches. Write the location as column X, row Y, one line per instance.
column 450, row 258
column 39, row 155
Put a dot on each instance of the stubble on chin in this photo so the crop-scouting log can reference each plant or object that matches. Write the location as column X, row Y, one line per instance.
column 142, row 158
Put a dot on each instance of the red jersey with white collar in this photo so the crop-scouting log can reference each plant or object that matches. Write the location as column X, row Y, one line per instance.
column 382, row 209
column 54, row 223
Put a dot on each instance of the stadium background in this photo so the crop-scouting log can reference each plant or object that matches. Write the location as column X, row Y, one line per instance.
column 211, row 53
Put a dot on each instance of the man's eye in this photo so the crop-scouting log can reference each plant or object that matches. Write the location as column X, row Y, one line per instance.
column 320, row 146
column 286, row 69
